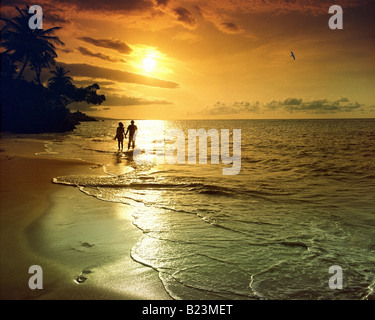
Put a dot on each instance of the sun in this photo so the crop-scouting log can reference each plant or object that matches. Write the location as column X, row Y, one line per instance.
column 149, row 64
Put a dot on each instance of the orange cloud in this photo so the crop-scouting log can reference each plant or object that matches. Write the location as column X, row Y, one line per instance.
column 185, row 17
column 99, row 55
column 114, row 44
column 86, row 70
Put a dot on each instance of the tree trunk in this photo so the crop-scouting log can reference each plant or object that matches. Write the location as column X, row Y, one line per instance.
column 23, row 68
column 38, row 71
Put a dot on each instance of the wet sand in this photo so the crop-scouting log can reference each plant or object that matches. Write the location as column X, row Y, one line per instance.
column 29, row 200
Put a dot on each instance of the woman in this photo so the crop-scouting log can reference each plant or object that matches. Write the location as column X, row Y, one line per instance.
column 120, row 136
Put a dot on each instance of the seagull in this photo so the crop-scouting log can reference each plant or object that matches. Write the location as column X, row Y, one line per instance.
column 292, row 55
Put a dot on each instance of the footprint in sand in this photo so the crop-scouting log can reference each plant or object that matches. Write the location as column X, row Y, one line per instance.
column 83, row 244
column 82, row 277
column 87, row 245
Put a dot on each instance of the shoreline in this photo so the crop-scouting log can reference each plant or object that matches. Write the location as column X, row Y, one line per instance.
column 28, row 198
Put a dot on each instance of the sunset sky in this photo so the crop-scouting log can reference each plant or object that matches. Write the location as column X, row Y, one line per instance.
column 163, row 59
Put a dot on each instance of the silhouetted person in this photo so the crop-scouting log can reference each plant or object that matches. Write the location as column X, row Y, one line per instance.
column 132, row 130
column 120, row 136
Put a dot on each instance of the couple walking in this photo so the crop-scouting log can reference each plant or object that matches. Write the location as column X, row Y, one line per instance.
column 132, row 130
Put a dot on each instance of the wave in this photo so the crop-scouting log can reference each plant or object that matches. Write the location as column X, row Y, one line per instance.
column 144, row 183
column 295, row 244
column 108, row 182
column 256, row 235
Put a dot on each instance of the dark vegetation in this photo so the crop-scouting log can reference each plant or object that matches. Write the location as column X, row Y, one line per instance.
column 33, row 106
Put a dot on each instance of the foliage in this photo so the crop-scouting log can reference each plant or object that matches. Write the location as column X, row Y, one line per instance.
column 31, row 107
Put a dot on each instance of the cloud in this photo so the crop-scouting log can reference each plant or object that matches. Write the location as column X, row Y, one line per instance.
column 318, row 106
column 86, row 82
column 306, row 7
column 324, row 106
column 225, row 14
column 235, row 108
column 221, row 21
column 52, row 15
column 119, row 100
column 188, row 37
column 292, row 101
column 185, row 17
column 229, row 6
column 86, row 70
column 289, row 105
column 229, row 27
column 162, row 3
column 110, row 5
column 66, row 50
column 99, row 55
column 54, row 19
column 114, row 44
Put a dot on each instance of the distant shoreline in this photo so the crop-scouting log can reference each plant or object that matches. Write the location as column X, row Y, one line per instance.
column 234, row 119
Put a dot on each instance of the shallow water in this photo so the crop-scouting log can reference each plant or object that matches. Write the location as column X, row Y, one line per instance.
column 303, row 201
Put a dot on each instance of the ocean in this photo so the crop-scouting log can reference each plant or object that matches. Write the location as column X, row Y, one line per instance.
column 302, row 202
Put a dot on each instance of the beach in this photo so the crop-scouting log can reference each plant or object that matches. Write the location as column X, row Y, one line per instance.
column 27, row 197
column 104, row 224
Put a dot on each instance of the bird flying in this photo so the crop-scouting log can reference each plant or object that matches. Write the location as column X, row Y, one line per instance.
column 292, row 55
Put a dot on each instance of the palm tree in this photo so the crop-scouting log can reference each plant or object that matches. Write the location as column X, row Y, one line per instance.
column 60, row 78
column 26, row 45
column 60, row 82
column 8, row 68
column 42, row 60
column 61, row 87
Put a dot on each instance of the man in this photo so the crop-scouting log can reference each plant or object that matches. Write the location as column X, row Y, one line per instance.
column 132, row 129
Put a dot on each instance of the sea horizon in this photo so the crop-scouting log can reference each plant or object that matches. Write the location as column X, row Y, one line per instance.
column 239, row 119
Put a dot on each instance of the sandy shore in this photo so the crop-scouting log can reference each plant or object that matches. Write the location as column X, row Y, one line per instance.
column 29, row 200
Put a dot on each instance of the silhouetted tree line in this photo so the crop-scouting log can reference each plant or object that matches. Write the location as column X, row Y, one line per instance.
column 30, row 106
